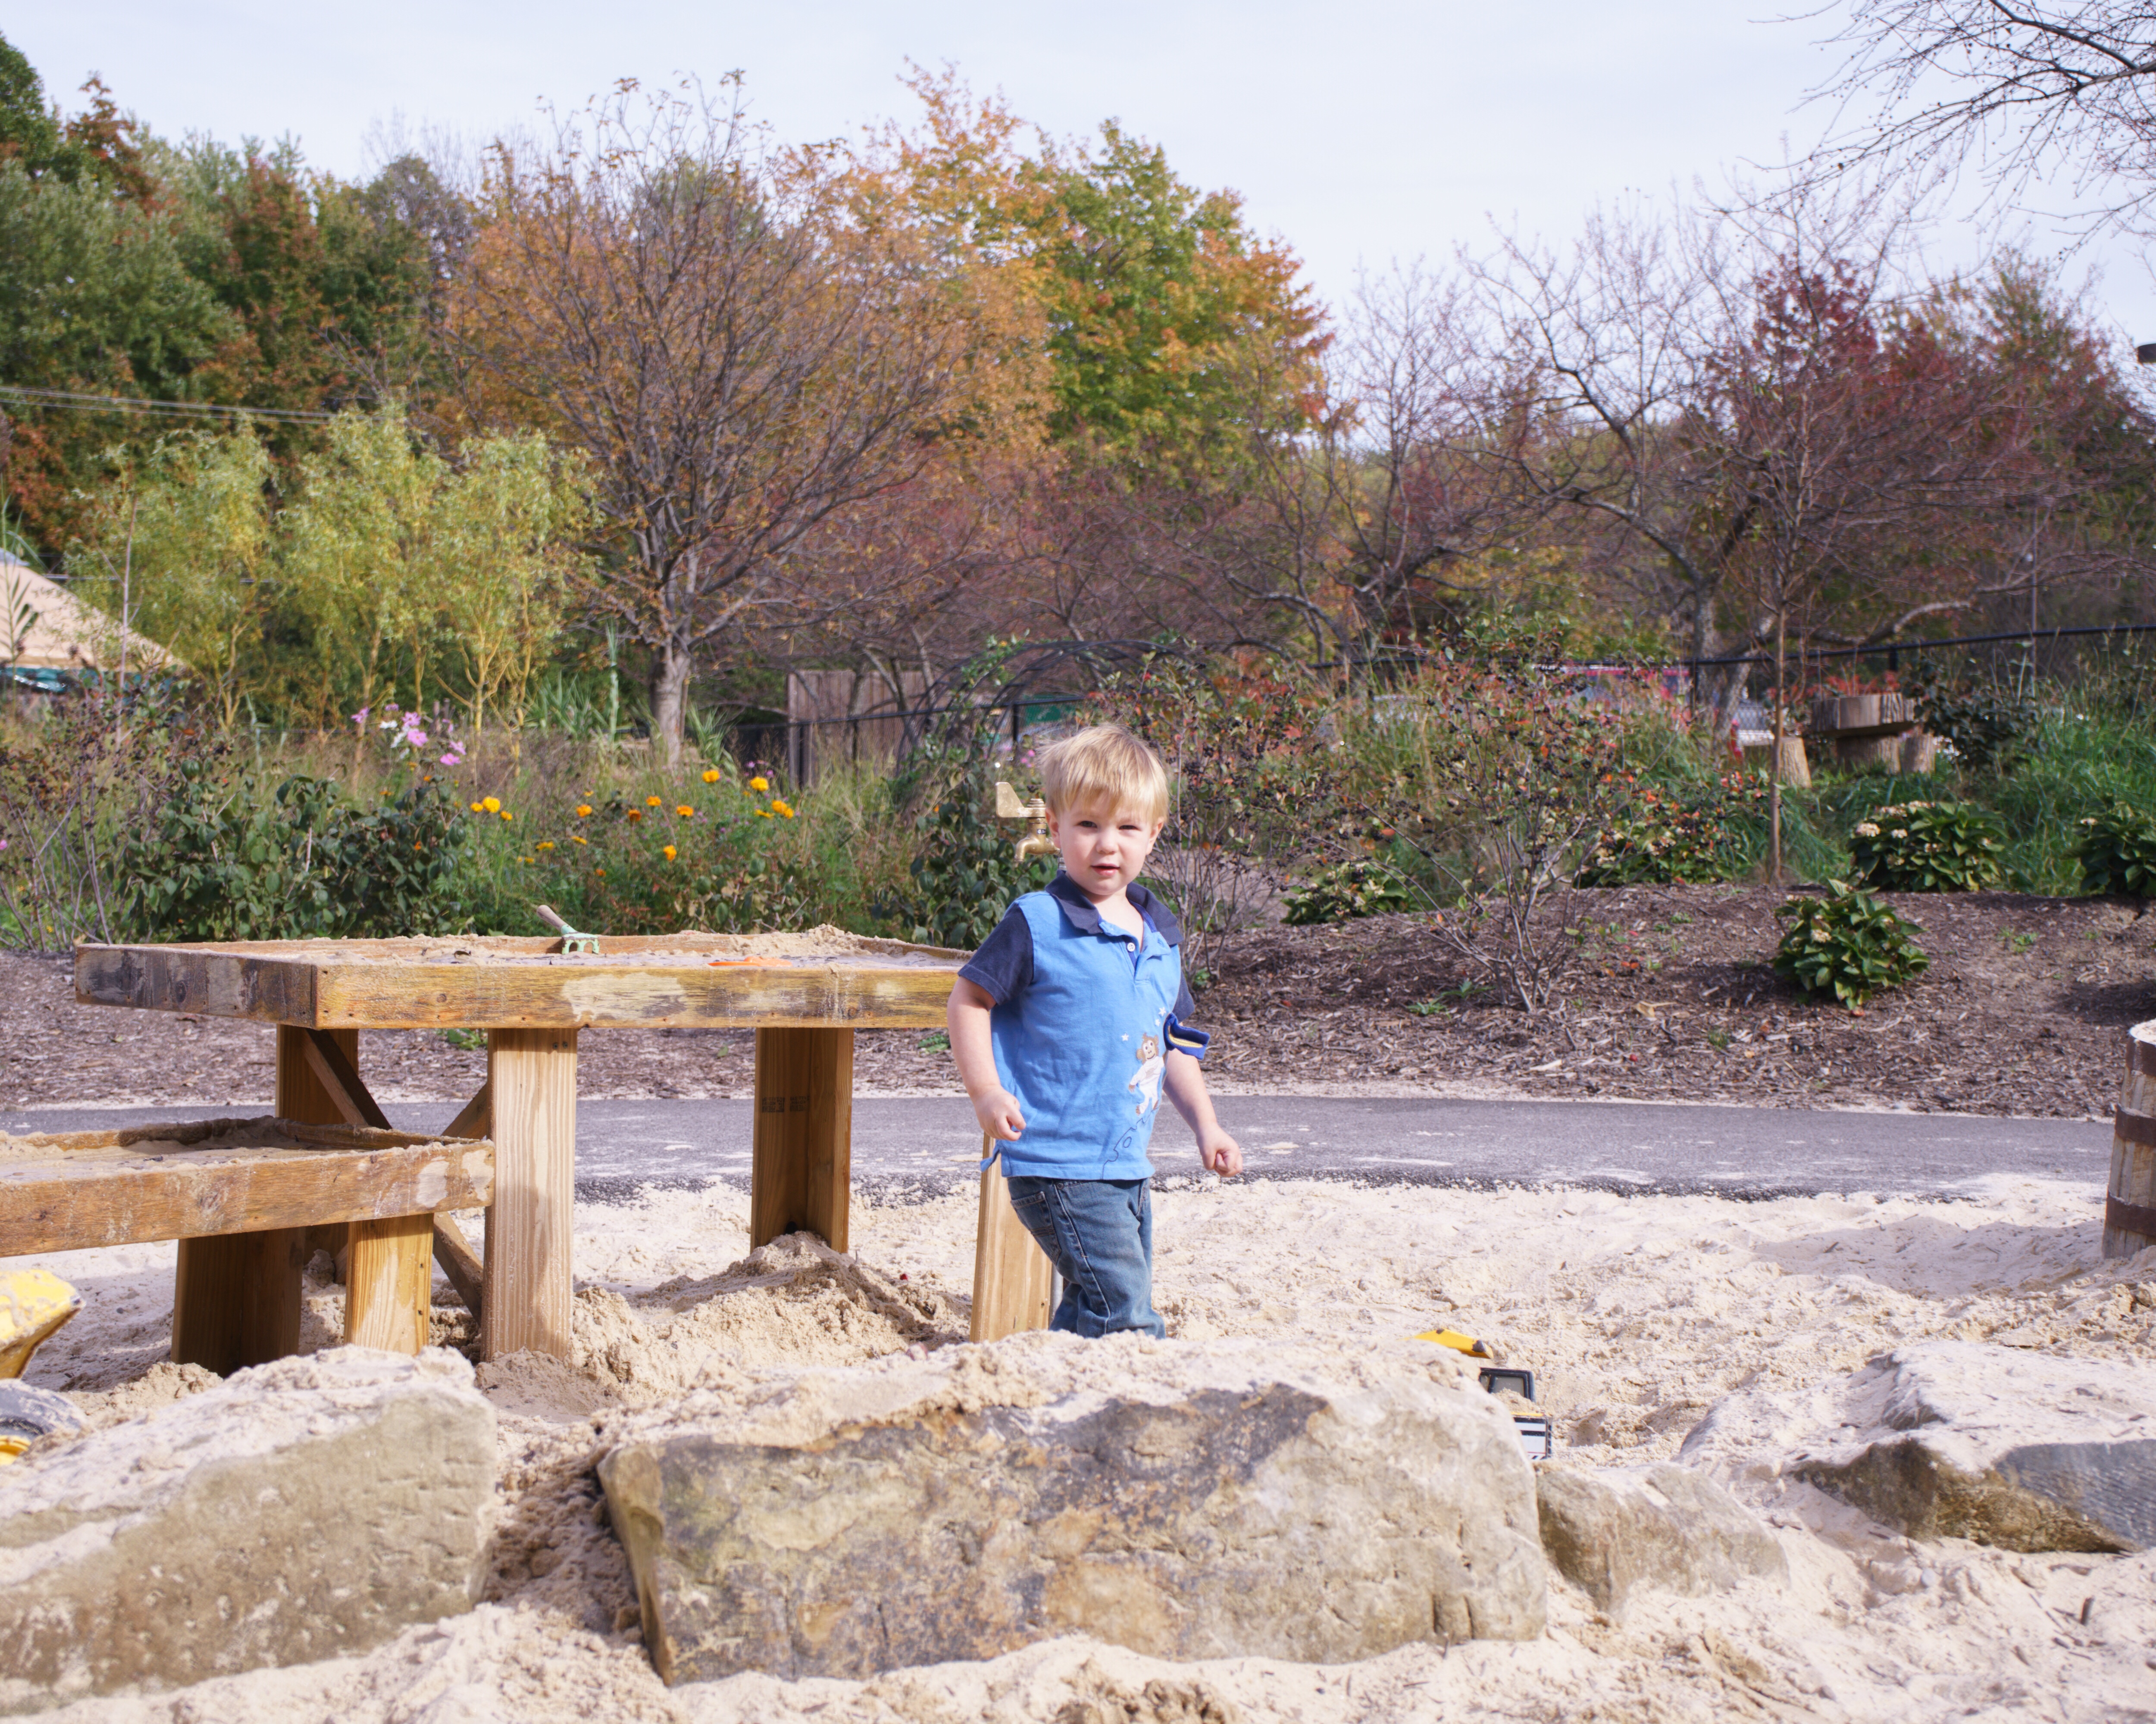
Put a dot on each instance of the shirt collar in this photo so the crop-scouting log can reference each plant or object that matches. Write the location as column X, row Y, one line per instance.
column 1080, row 913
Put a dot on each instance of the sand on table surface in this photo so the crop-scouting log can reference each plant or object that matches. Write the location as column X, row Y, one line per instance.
column 1636, row 1313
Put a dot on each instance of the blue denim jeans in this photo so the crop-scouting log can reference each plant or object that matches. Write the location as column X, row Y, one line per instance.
column 1098, row 1232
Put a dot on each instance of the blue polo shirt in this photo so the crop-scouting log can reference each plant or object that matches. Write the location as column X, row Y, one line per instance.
column 1082, row 1024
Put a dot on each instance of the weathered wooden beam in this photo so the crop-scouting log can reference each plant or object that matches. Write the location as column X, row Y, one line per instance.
column 655, row 982
column 477, row 1119
column 801, row 1172
column 106, row 1194
column 467, row 1274
column 528, row 1303
column 334, row 1071
column 389, row 1288
column 1013, row 1279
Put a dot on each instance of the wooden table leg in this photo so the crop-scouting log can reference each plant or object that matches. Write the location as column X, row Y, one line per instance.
column 527, row 1304
column 389, row 1286
column 802, row 1174
column 236, row 1297
column 1013, row 1279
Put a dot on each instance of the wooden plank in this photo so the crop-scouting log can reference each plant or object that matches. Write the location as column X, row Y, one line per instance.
column 389, row 1288
column 460, row 1264
column 520, row 984
column 527, row 1304
column 802, row 1171
column 236, row 1300
column 476, row 1120
column 1013, row 1279
column 337, row 1079
column 212, row 1319
column 84, row 1197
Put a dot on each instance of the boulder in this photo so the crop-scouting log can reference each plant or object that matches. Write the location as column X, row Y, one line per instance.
column 1186, row 1500
column 1619, row 1529
column 302, row 1510
column 1962, row 1439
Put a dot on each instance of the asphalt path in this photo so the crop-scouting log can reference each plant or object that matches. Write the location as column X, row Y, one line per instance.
column 930, row 1144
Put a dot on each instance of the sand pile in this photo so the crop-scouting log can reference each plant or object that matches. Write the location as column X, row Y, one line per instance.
column 1637, row 1314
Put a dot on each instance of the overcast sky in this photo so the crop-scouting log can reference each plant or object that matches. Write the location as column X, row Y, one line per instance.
column 1361, row 134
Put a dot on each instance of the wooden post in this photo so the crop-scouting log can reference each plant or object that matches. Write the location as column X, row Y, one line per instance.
column 1013, row 1279
column 527, row 1303
column 2129, row 1203
column 389, row 1288
column 236, row 1297
column 802, row 1173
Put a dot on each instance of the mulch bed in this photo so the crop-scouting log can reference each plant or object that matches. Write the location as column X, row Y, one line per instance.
column 2022, row 1012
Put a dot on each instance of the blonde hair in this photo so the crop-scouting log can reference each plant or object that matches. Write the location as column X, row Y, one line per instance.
column 1104, row 763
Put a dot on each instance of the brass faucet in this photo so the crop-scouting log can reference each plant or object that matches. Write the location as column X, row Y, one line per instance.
column 1035, row 843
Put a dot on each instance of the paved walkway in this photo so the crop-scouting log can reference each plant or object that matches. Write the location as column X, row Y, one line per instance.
column 932, row 1144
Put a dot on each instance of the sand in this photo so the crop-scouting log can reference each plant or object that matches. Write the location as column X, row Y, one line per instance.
column 1636, row 1313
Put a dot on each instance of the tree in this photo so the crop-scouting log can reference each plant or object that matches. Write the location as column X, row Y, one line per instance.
column 2033, row 82
column 187, row 530
column 735, row 358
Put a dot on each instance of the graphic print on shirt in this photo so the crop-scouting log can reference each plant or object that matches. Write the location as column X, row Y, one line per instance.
column 1152, row 1066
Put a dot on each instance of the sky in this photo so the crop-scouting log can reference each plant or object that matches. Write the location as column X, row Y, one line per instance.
column 1361, row 135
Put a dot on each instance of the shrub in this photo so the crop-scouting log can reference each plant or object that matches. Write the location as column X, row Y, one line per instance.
column 1927, row 847
column 2117, row 852
column 1986, row 726
column 1660, row 838
column 220, row 860
column 965, row 875
column 1847, row 944
column 1346, row 889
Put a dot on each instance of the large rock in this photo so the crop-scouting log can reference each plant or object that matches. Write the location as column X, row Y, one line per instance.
column 1189, row 1500
column 1962, row 1439
column 300, row 1511
column 1622, row 1529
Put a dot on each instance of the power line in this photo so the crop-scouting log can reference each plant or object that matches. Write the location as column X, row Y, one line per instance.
column 157, row 409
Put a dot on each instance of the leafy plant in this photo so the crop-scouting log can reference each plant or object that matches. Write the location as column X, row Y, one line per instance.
column 1346, row 889
column 1696, row 835
column 2117, row 852
column 220, row 860
column 1847, row 944
column 1986, row 725
column 964, row 874
column 1927, row 847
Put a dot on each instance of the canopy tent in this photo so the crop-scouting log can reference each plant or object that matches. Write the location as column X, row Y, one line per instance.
column 67, row 634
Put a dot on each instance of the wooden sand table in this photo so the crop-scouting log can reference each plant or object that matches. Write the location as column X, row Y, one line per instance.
column 804, row 995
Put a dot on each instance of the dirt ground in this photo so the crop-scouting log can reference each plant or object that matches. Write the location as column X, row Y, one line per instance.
column 2021, row 1012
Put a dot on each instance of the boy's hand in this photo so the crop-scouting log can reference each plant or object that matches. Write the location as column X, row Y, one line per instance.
column 998, row 1112
column 1220, row 1154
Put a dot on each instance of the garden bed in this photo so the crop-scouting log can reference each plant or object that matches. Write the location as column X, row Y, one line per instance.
column 2019, row 1014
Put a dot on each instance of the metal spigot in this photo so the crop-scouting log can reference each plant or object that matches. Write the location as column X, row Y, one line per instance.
column 1035, row 843
column 572, row 941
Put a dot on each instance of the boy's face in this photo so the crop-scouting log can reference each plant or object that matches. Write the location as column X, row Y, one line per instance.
column 1103, row 848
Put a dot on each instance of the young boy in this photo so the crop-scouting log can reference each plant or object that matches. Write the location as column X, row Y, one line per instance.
column 1067, row 1025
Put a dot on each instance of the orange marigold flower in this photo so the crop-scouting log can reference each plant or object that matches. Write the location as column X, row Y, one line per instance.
column 636, row 813
column 711, row 775
column 578, row 837
column 783, row 810
column 759, row 785
column 583, row 811
column 506, row 815
column 684, row 810
column 492, row 804
column 545, row 844
column 477, row 808
column 653, row 802
column 667, row 851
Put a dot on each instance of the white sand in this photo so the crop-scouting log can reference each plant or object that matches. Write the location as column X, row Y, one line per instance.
column 1636, row 1313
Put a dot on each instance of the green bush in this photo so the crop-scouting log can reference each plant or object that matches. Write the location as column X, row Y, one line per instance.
column 1345, row 889
column 220, row 860
column 1693, row 833
column 2117, row 852
column 1847, row 944
column 1986, row 727
column 964, row 874
column 1927, row 847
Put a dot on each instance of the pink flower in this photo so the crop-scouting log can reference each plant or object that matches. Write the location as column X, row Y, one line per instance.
column 360, row 717
column 451, row 760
